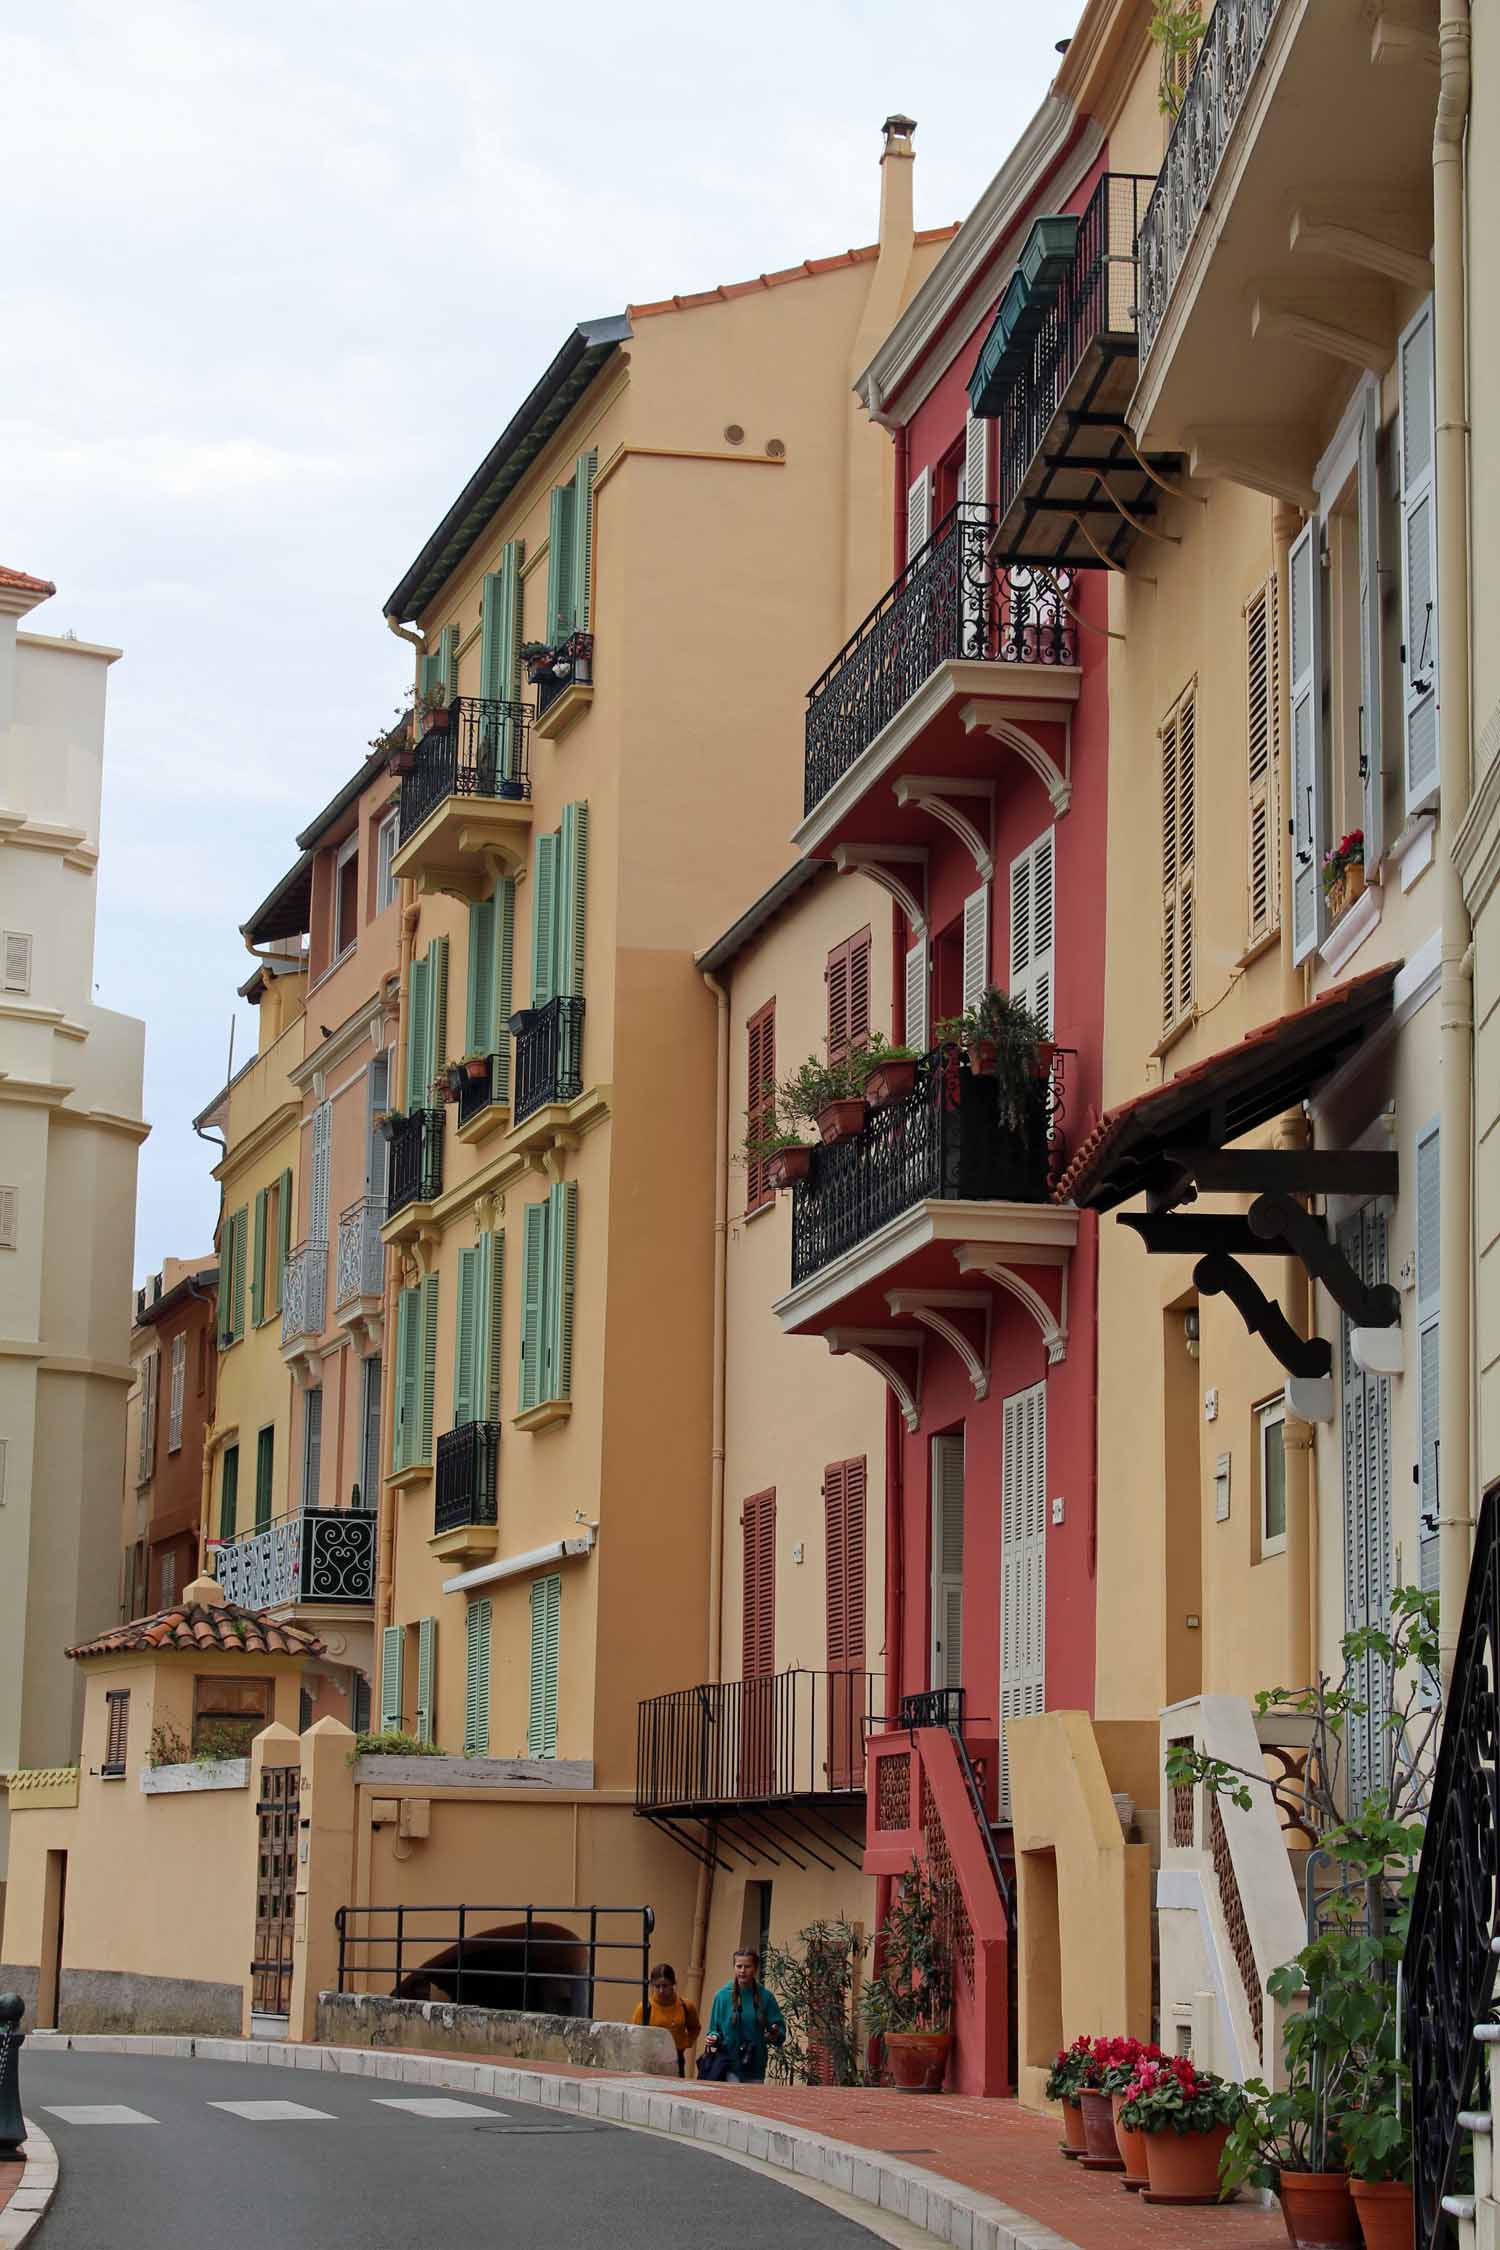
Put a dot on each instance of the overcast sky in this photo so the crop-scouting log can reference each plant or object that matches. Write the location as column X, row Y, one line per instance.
column 275, row 280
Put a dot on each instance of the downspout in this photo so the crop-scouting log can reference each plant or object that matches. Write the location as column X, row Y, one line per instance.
column 389, row 1501
column 703, row 1896
column 1455, row 991
column 210, row 1428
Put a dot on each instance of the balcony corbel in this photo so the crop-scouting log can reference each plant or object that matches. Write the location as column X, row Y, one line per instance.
column 980, row 1258
column 1270, row 319
column 935, row 1309
column 1276, row 461
column 881, row 1348
column 880, row 862
column 988, row 715
column 1356, row 246
column 933, row 796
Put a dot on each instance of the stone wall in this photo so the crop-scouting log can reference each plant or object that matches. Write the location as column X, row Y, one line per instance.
column 364, row 2019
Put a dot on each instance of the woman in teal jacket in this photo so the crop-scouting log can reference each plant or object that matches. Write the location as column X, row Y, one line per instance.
column 746, row 2022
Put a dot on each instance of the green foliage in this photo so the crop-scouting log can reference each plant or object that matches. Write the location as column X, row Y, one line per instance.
column 216, row 1739
column 1071, row 2071
column 814, row 1084
column 814, row 1978
column 1170, row 2096
column 914, row 1988
column 168, row 1746
column 1176, row 29
column 395, row 1744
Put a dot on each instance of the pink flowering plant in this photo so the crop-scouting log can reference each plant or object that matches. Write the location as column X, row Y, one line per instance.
column 1120, row 2060
column 1168, row 2095
column 1071, row 2071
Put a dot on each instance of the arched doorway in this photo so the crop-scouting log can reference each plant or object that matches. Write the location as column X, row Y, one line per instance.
column 499, row 1969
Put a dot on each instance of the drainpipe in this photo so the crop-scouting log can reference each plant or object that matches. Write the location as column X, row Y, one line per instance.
column 405, row 633
column 210, row 1430
column 385, row 1583
column 1455, row 993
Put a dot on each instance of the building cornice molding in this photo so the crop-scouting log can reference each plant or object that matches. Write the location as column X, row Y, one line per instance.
column 366, row 1024
column 278, row 1123
column 71, row 845
column 106, row 1121
column 32, row 1093
column 100, row 649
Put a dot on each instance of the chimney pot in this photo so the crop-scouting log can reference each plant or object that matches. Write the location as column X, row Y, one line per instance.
column 898, row 128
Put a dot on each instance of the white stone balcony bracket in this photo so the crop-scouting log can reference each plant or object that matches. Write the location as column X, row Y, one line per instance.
column 989, row 715
column 881, row 862
column 980, row 1257
column 1332, row 238
column 932, row 796
column 883, row 1349
column 936, row 1309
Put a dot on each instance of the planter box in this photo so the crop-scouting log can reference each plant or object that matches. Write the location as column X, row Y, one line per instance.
column 175, row 1781
column 475, row 1773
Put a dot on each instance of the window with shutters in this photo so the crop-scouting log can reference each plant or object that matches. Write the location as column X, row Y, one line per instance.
column 917, row 986
column 1429, row 1255
column 844, row 1491
column 346, row 897
column 487, row 999
column 387, row 836
column 558, row 902
column 549, row 1257
column 546, row 1610
column 947, row 1478
column 425, row 1714
column 10, row 1217
column 1419, row 577
column 1033, row 926
column 426, row 1022
column 976, row 946
column 1268, row 1462
column 259, row 1310
column 477, row 1680
column 116, row 1733
column 570, row 538
column 179, row 1392
column 322, row 1166
column 392, row 1677
column 758, row 1586
column 847, row 977
column 369, row 1451
column 265, row 1475
column 15, row 954
column 1263, row 762
column 312, row 1446
column 1178, row 736
column 918, row 514
column 1365, row 1431
column 414, row 1393
column 1023, row 1566
column 229, row 1492
column 150, row 1383
column 760, row 1102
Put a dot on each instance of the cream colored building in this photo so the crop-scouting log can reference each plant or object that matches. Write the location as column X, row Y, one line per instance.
column 70, row 1129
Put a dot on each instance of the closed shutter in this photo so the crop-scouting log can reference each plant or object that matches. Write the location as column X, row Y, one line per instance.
column 179, row 1386
column 1307, row 781
column 559, row 563
column 505, row 963
column 426, row 1716
column 572, row 896
column 918, row 515
column 240, row 1239
column 847, row 976
column 546, row 1603
column 976, row 946
column 1419, row 587
column 10, row 1217
column 491, row 614
column 466, row 1340
column 150, row 1377
column 1366, row 1437
column 17, row 972
column 583, row 537
column 760, row 1098
column 448, row 661
column 1371, row 736
column 562, row 1244
column 1263, row 762
column 1178, row 839
column 258, row 1260
column 392, row 1653
column 229, row 1492
column 418, row 1033
column 976, row 460
column 974, row 536
column 479, row 992
column 948, row 1560
column 1023, row 1566
column 317, row 1204
column 385, row 850
column 407, row 1391
column 1033, row 921
column 1429, row 1250
column 500, row 620
column 429, row 1362
column 312, row 1446
column 265, row 1476
column 283, row 1230
column 477, row 1680
column 437, row 1030
column 758, row 1587
column 844, row 1486
column 492, row 1283
column 369, row 1464
column 916, row 995
column 533, row 1305
column 544, row 921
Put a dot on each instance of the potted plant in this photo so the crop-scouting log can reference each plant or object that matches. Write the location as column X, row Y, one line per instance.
column 1376, row 2132
column 890, row 1072
column 448, row 1084
column 1015, row 1050
column 1185, row 2116
column 476, row 1063
column 579, row 650
column 1344, row 872
column 827, row 1095
column 395, row 741
column 1120, row 2060
column 909, row 2003
column 1064, row 2083
column 1101, row 2149
column 537, row 656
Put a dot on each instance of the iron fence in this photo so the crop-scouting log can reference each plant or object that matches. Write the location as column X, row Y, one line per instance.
column 549, row 1054
column 310, row 1555
column 480, row 750
column 497, row 1956
column 477, row 1093
column 786, row 1735
column 359, row 1270
column 468, row 1461
column 416, row 1159
column 304, row 1285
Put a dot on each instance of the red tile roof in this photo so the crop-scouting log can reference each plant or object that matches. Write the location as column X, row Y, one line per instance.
column 1271, row 1069
column 809, row 266
column 222, row 1627
column 25, row 582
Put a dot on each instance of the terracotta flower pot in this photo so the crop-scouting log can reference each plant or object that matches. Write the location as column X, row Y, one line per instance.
column 1132, row 2146
column 1074, row 2140
column 1354, row 883
column 1046, row 1050
column 1184, row 2167
column 787, row 1166
column 1318, row 2210
column 890, row 1082
column 1386, row 2216
column 437, row 723
column 403, row 760
column 918, row 2059
column 477, row 1066
column 1099, row 2131
column 982, row 1057
column 1336, row 895
column 840, row 1121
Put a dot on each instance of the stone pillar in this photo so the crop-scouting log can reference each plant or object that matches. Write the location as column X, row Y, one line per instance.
column 325, row 1867
column 275, row 1745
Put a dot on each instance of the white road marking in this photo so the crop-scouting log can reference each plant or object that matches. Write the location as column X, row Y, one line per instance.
column 435, row 2105
column 271, row 2113
column 100, row 2113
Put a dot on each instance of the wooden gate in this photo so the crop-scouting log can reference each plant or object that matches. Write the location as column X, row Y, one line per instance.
column 275, row 1891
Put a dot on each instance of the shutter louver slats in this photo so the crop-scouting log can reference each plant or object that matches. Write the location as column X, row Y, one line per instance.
column 573, row 872
column 559, row 563
column 1262, row 729
column 1178, row 839
column 1032, row 925
column 494, row 1331
column 760, row 1097
column 1023, row 1566
column 448, row 662
column 418, row 1033
column 406, row 1392
column 916, row 996
column 479, row 994
column 758, row 1589
column 976, row 945
column 918, row 515
column 465, row 1340
column 541, row 1733
column 284, row 1231
column 837, row 975
column 859, row 989
column 544, row 921
column 322, row 1157
column 426, row 1678
column 437, row 1037
column 229, row 1494
column 948, row 1558
column 583, row 538
column 477, row 1680
column 392, row 1651
column 258, row 1260
column 17, row 976
column 533, row 1304
column 562, row 1232
column 1419, row 589
column 505, row 964
column 429, row 1363
column 1305, row 693
column 1371, row 733
column 1429, row 1276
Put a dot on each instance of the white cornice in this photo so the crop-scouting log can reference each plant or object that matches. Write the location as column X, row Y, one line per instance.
column 67, row 647
column 364, row 1025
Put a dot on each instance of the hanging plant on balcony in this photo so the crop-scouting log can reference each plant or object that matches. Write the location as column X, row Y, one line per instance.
column 449, row 1083
column 1008, row 1042
column 890, row 1072
column 827, row 1095
column 769, row 1140
column 580, row 654
column 436, row 713
column 396, row 739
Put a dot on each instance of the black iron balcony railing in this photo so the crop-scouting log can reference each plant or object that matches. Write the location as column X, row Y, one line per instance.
column 416, row 1160
column 1233, row 43
column 788, row 1735
column 945, row 1141
column 311, row 1555
column 549, row 1054
column 481, row 751
column 476, row 1094
column 949, row 602
column 468, row 1460
column 572, row 666
column 1095, row 299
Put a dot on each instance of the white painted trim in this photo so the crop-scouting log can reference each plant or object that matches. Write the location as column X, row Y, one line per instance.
column 1415, row 848
column 1029, row 1234
column 872, row 1347
column 1351, row 929
column 932, row 1307
column 518, row 1566
column 1341, row 454
column 1180, row 1889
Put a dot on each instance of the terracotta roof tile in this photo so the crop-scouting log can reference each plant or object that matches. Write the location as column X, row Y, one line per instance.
column 803, row 272
column 222, row 1626
column 25, row 582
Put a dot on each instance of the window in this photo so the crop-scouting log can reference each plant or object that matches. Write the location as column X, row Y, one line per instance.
column 312, row 1446
column 229, row 1714
column 848, row 979
column 392, row 1666
column 844, row 1485
column 265, row 1462
column 1023, row 1566
column 10, row 1217
column 272, row 1247
column 1428, row 1272
column 426, row 1714
column 1033, row 923
column 477, row 1332
column 317, row 1200
column 16, row 947
column 386, row 836
column 426, row 1022
column 546, row 1605
column 760, row 1100
column 150, row 1380
column 259, row 1310
column 437, row 671
column 116, row 1732
column 488, row 1003
column 1263, row 761
column 947, row 1475
column 346, row 897
column 758, row 1586
column 477, row 1680
column 229, row 1492
column 234, row 1259
column 570, row 537
column 1270, row 1476
column 369, row 1451
column 179, row 1387
column 557, row 908
column 1178, row 836
column 415, row 1388
column 548, row 1274
column 166, row 1580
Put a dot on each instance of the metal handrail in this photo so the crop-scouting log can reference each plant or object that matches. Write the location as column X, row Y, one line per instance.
column 416, row 1159
column 778, row 1736
column 410, row 1926
column 549, row 1054
column 478, row 748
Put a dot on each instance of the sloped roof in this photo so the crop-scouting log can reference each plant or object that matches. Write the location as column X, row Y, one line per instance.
column 24, row 583
column 806, row 271
column 219, row 1628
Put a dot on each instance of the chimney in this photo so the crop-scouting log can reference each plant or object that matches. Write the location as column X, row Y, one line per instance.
column 895, row 185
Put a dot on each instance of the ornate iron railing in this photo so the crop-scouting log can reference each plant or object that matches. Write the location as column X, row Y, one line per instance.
column 481, row 751
column 948, row 602
column 789, row 1734
column 572, row 663
column 1096, row 298
column 1227, row 61
column 359, row 1269
column 304, row 1287
column 476, row 1094
column 946, row 1140
column 416, row 1159
column 468, row 1461
column 312, row 1555
column 1450, row 1965
column 549, row 1055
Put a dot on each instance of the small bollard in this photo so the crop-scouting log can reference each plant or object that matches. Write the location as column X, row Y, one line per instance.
column 12, row 2039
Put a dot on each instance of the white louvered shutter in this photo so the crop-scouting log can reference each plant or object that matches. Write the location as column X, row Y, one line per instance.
column 1033, row 926
column 322, row 1141
column 1023, row 1566
column 948, row 1560
column 919, row 514
column 916, row 995
column 1419, row 587
column 974, row 537
column 1371, row 737
column 976, row 946
column 1365, row 1420
column 1306, row 673
column 1428, row 1277
column 179, row 1382
column 17, row 977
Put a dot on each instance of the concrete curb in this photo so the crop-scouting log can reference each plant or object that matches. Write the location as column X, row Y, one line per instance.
column 28, row 2206
column 950, row 2212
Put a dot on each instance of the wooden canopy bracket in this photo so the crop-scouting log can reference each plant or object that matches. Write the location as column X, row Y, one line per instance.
column 1219, row 1275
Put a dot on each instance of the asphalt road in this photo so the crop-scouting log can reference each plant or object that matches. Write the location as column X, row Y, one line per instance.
column 375, row 2169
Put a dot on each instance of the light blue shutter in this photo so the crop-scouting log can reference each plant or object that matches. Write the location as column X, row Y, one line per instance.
column 466, row 1340
column 541, row 1733
column 406, row 1393
column 533, row 1305
column 505, row 963
column 1306, row 692
column 448, row 661
column 559, row 563
column 426, row 1678
column 583, row 537
column 490, row 613
column 429, row 1362
column 1429, row 1270
column 544, row 922
column 493, row 1279
column 479, row 994
column 572, row 890
column 562, row 1234
column 392, row 1649
column 418, row 1033
column 1419, row 587
column 429, row 674
column 477, row 1681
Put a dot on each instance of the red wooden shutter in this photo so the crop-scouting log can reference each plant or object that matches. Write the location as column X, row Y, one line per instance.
column 760, row 1080
column 844, row 1485
column 837, row 975
column 835, row 1541
column 758, row 1612
column 859, row 989
column 854, row 1562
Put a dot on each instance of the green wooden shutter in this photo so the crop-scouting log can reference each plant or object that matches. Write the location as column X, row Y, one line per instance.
column 241, row 1238
column 544, row 922
column 258, row 1261
column 448, row 661
column 479, row 996
column 437, row 958
column 426, row 1677
column 466, row 1340
column 406, row 1391
column 283, row 1230
column 392, row 1651
column 429, row 1362
column 533, row 1305
column 583, row 536
column 494, row 1278
column 505, row 963
column 490, row 611
column 418, row 1033
column 546, row 1601
column 429, row 673
column 265, row 1475
column 477, row 1681
column 229, row 1492
column 500, row 626
column 559, row 563
column 572, row 889
column 562, row 1234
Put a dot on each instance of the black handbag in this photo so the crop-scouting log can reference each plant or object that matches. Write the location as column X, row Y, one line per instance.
column 715, row 2066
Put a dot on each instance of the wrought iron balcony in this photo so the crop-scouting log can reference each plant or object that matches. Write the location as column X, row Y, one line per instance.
column 946, row 1141
column 311, row 1555
column 1233, row 44
column 360, row 1267
column 480, row 1093
column 482, row 751
column 549, row 1054
column 415, row 1172
column 468, row 1461
column 785, row 1738
column 572, row 667
column 304, row 1286
column 948, row 603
